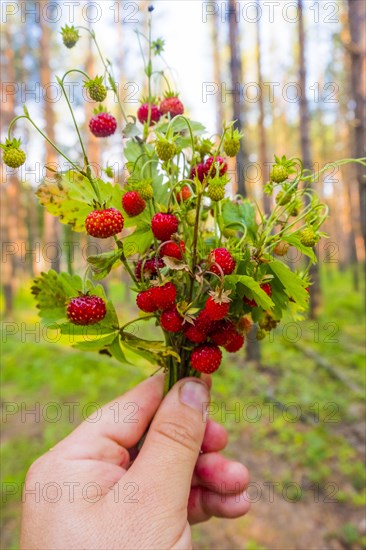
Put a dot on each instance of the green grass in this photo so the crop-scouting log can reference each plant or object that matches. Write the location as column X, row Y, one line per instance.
column 40, row 372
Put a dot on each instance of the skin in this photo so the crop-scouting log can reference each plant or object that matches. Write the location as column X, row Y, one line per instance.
column 103, row 499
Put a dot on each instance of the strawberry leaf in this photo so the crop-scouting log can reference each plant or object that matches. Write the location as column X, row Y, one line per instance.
column 102, row 264
column 294, row 240
column 242, row 213
column 52, row 292
column 138, row 242
column 292, row 284
column 247, row 286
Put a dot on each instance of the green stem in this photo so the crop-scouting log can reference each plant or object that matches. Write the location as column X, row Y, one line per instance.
column 194, row 244
column 136, row 321
column 124, row 259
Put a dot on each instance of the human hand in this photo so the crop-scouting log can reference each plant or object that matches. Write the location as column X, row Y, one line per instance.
column 92, row 496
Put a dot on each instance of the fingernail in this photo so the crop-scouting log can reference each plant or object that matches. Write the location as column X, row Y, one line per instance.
column 195, row 395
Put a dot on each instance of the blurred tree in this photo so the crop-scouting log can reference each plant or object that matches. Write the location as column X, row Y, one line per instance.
column 51, row 223
column 236, row 77
column 357, row 50
column 315, row 295
column 216, row 60
column 262, row 129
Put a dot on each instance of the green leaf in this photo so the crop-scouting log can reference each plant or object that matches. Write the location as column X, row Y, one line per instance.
column 155, row 351
column 52, row 292
column 293, row 285
column 130, row 130
column 116, row 350
column 96, row 344
column 180, row 124
column 241, row 213
column 138, row 242
column 253, row 289
column 70, row 196
column 101, row 264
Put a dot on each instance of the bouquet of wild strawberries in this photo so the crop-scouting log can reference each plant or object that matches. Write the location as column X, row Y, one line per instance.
column 205, row 267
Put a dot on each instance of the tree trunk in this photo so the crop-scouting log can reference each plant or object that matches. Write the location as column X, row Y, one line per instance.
column 51, row 223
column 236, row 73
column 217, row 71
column 262, row 130
column 315, row 295
column 357, row 49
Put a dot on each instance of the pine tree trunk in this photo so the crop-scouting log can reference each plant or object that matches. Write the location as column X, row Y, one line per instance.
column 236, row 73
column 357, row 49
column 217, row 71
column 51, row 223
column 315, row 295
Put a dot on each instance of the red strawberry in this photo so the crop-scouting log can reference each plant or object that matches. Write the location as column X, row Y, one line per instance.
column 143, row 113
column 216, row 310
column 194, row 334
column 198, row 171
column 171, row 321
column 218, row 161
column 104, row 223
column 252, row 303
column 172, row 105
column 102, row 125
column 184, row 194
column 224, row 259
column 150, row 268
column 205, row 324
column 173, row 250
column 164, row 225
column 206, row 358
column 133, row 203
column 224, row 333
column 236, row 342
column 145, row 300
column 165, row 296
column 86, row 310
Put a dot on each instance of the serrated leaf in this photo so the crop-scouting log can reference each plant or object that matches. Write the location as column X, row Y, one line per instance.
column 101, row 264
column 180, row 124
column 96, row 344
column 292, row 284
column 255, row 291
column 52, row 292
column 70, row 197
column 154, row 351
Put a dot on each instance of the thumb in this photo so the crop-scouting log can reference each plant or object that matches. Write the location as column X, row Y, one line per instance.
column 169, row 454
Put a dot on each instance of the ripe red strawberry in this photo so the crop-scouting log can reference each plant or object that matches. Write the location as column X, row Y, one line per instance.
column 206, row 358
column 224, row 333
column 199, row 171
column 165, row 296
column 218, row 161
column 145, row 300
column 235, row 343
column 104, row 223
column 164, row 225
column 184, row 194
column 216, row 310
column 205, row 324
column 102, row 125
column 267, row 289
column 172, row 105
column 150, row 268
column 86, row 310
column 194, row 334
column 133, row 203
column 224, row 259
column 143, row 113
column 173, row 250
column 171, row 321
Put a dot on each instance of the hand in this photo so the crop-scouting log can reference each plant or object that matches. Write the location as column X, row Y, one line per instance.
column 87, row 493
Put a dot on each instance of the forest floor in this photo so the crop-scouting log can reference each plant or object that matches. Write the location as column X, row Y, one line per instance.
column 297, row 422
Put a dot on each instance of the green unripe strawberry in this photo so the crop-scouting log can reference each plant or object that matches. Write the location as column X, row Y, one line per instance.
column 283, row 198
column 191, row 217
column 295, row 207
column 70, row 36
column 261, row 334
column 165, row 149
column 13, row 156
column 229, row 232
column 308, row 237
column 279, row 173
column 204, row 147
column 97, row 91
column 145, row 189
column 216, row 192
column 232, row 143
